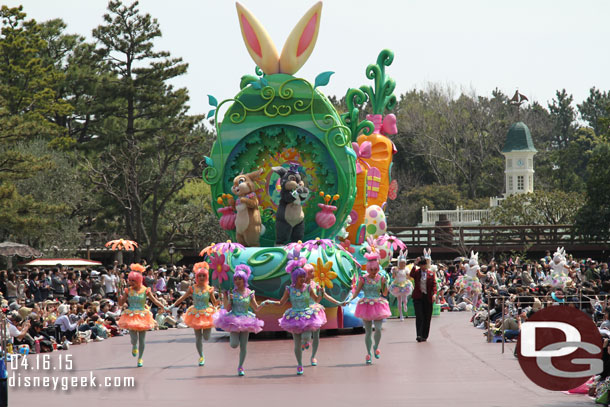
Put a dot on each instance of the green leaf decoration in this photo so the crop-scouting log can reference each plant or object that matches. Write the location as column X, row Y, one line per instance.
column 212, row 101
column 211, row 113
column 208, row 161
column 246, row 80
column 351, row 152
column 264, row 82
column 323, row 79
column 256, row 85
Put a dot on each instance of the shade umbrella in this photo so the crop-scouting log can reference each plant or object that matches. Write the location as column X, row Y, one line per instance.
column 120, row 245
column 10, row 249
column 18, row 249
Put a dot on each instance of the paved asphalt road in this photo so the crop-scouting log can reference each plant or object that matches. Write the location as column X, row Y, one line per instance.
column 455, row 368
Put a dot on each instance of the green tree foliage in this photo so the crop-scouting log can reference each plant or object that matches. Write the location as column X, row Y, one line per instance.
column 538, row 208
column 595, row 109
column 62, row 186
column 27, row 103
column 435, row 197
column 189, row 217
column 563, row 116
column 148, row 145
column 593, row 218
column 448, row 139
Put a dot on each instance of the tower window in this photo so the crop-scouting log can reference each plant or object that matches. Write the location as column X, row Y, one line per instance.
column 520, row 182
column 510, row 183
column 509, row 163
column 530, row 163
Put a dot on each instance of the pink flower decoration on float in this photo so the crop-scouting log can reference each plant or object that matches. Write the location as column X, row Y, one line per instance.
column 227, row 246
column 395, row 243
column 317, row 244
column 346, row 245
column 295, row 245
column 219, row 268
column 347, row 248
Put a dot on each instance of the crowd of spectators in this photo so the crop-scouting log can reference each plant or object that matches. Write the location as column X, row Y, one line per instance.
column 513, row 290
column 49, row 309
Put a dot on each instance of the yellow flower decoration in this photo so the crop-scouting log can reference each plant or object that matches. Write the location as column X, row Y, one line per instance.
column 323, row 274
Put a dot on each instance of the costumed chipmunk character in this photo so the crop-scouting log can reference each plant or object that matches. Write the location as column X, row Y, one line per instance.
column 289, row 225
column 248, row 219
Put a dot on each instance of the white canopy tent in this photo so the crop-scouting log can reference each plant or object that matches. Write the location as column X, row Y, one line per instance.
column 64, row 262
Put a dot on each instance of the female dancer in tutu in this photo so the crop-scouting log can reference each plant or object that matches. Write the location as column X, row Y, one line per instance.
column 470, row 282
column 373, row 308
column 137, row 318
column 199, row 316
column 401, row 286
column 307, row 336
column 235, row 317
column 302, row 317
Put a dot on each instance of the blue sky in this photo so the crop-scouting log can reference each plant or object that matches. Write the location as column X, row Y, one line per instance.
column 538, row 46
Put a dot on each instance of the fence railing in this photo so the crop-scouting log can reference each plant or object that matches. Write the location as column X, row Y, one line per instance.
column 498, row 236
column 457, row 216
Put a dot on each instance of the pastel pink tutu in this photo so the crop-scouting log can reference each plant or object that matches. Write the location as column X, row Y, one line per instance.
column 297, row 322
column 227, row 321
column 373, row 309
column 401, row 288
column 469, row 284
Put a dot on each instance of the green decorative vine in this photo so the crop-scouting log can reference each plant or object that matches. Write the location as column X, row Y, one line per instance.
column 271, row 109
column 355, row 99
column 263, row 257
column 382, row 98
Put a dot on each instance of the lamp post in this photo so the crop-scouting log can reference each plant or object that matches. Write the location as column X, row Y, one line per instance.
column 171, row 250
column 88, row 244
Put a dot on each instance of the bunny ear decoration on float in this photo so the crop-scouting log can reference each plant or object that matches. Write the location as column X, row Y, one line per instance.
column 301, row 41
column 258, row 42
column 298, row 46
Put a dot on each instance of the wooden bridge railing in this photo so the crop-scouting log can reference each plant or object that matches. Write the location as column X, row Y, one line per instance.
column 503, row 236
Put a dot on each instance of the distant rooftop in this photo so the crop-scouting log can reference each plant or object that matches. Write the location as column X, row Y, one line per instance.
column 518, row 138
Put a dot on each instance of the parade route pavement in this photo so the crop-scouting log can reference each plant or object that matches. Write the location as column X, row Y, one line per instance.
column 456, row 368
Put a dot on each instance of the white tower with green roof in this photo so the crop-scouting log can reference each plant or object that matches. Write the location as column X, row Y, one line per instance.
column 519, row 154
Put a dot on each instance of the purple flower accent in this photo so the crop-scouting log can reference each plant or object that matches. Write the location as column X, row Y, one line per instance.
column 318, row 244
column 227, row 246
column 295, row 261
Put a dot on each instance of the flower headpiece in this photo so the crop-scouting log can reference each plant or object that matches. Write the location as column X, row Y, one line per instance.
column 372, row 256
column 137, row 267
column 371, row 245
column 197, row 267
column 244, row 269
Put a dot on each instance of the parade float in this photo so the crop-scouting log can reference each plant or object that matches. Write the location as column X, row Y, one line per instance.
column 288, row 171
